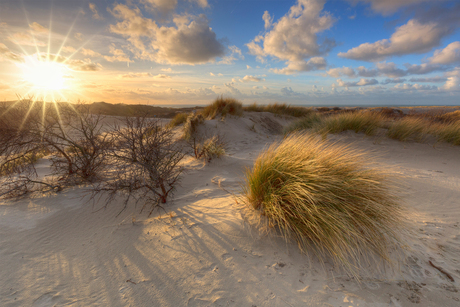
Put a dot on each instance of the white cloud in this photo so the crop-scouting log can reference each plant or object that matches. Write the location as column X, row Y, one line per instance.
column 394, row 80
column 315, row 63
column 338, row 72
column 248, row 67
column 212, row 74
column 169, row 69
column 452, row 83
column 38, row 28
column 361, row 82
column 189, row 41
column 78, row 36
column 162, row 76
column 234, row 55
column 164, row 6
column 90, row 53
column 68, row 49
column 6, row 54
column 448, row 55
column 118, row 55
column 293, row 38
column 252, row 79
column 389, row 6
column 132, row 75
column 431, row 80
column 93, row 9
column 413, row 37
column 410, row 87
column 267, row 19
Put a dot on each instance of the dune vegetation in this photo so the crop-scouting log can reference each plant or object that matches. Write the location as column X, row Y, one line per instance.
column 222, row 106
column 326, row 198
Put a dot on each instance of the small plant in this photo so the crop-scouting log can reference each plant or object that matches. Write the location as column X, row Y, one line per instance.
column 178, row 119
column 449, row 133
column 209, row 148
column 223, row 106
column 327, row 198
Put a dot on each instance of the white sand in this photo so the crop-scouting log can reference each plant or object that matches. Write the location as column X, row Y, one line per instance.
column 60, row 251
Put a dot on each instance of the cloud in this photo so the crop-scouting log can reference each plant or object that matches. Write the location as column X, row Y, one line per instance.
column 413, row 37
column 432, row 80
column 394, row 80
column 162, row 76
column 452, row 83
column 118, row 55
column 361, row 82
column 189, row 41
column 164, row 6
column 293, row 38
column 252, row 79
column 248, row 67
column 68, row 49
column 387, row 7
column 90, row 53
column 232, row 89
column 135, row 75
column 315, row 63
column 78, row 36
column 410, row 87
column 26, row 39
column 202, row 3
column 448, row 55
column 38, row 28
column 6, row 54
column 235, row 53
column 287, row 91
column 93, row 9
column 338, row 72
column 169, row 69
column 267, row 19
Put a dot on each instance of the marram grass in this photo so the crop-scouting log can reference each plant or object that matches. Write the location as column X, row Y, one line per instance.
column 327, row 198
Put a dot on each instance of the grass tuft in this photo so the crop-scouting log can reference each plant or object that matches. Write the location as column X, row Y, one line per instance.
column 449, row 133
column 308, row 122
column 223, row 106
column 409, row 128
column 191, row 125
column 178, row 119
column 280, row 109
column 327, row 198
column 366, row 122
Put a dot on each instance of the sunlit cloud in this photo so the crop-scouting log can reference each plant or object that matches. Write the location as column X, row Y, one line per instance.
column 93, row 9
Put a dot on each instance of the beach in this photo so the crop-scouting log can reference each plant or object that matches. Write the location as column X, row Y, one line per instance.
column 64, row 250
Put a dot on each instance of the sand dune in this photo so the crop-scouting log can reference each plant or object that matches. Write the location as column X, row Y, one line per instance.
column 60, row 250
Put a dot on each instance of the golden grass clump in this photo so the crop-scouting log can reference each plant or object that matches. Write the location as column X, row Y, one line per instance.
column 449, row 133
column 409, row 128
column 310, row 121
column 178, row 119
column 366, row 122
column 280, row 109
column 327, row 198
column 191, row 125
column 223, row 106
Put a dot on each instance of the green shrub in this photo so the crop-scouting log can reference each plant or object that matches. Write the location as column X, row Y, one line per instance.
column 325, row 196
column 178, row 119
column 223, row 106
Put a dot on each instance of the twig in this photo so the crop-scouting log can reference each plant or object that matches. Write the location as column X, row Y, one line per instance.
column 129, row 280
column 442, row 271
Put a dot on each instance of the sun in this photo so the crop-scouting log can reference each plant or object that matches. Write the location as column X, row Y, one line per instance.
column 43, row 74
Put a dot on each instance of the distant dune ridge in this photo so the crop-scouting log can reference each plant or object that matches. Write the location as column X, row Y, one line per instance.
column 204, row 246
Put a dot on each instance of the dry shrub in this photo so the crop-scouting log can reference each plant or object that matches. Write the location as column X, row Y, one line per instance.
column 145, row 163
column 409, row 128
column 325, row 196
column 208, row 148
column 223, row 106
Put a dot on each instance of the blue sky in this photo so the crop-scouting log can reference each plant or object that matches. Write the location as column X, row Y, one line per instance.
column 340, row 52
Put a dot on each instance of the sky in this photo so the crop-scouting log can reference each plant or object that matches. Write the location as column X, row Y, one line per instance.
column 189, row 52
